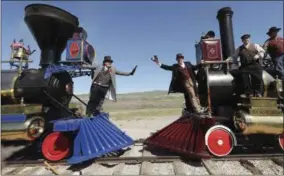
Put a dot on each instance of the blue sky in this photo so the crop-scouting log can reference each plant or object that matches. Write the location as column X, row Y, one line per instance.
column 131, row 32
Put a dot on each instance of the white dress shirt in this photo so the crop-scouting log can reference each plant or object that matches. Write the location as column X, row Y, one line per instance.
column 259, row 55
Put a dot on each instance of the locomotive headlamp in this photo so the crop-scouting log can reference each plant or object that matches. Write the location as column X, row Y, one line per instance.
column 35, row 127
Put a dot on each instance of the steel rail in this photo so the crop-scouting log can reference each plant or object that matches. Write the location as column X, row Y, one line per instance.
column 140, row 159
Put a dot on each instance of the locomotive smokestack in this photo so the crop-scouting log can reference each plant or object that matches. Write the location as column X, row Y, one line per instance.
column 51, row 28
column 224, row 17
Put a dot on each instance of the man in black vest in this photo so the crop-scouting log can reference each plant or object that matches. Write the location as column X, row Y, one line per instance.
column 183, row 81
column 249, row 74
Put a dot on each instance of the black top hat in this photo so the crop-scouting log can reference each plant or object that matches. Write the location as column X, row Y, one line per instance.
column 273, row 29
column 245, row 36
column 108, row 59
column 179, row 55
column 211, row 33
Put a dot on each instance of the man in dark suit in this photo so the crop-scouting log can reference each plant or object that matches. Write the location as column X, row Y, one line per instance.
column 103, row 84
column 183, row 81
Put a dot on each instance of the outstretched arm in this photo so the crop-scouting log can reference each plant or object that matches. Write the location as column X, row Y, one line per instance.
column 163, row 66
column 166, row 67
column 122, row 73
column 126, row 73
column 234, row 57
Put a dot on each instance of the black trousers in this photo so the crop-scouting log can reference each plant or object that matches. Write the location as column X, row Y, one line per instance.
column 97, row 97
column 248, row 79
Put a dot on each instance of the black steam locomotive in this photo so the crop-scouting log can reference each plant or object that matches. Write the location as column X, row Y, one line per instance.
column 31, row 98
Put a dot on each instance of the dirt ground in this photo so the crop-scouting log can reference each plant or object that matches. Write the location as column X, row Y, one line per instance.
column 138, row 127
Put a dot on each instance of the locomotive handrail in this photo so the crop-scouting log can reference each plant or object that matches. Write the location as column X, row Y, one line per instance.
column 29, row 61
column 216, row 62
column 66, row 109
column 79, row 99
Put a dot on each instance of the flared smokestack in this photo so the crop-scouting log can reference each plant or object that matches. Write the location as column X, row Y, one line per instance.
column 224, row 17
column 51, row 28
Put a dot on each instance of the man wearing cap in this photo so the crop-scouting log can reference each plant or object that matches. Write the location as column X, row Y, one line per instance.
column 103, row 84
column 249, row 74
column 210, row 35
column 183, row 81
column 274, row 46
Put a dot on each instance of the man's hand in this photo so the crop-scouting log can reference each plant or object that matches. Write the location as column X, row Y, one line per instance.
column 229, row 59
column 133, row 71
column 256, row 56
column 155, row 59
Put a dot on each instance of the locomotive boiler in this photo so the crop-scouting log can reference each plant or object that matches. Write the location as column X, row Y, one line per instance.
column 29, row 99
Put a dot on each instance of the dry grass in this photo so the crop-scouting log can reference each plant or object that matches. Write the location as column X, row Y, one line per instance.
column 143, row 104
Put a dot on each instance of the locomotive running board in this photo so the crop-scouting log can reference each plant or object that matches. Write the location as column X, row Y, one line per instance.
column 95, row 137
column 185, row 136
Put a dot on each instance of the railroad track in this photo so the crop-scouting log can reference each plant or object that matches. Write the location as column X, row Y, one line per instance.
column 148, row 164
column 139, row 161
column 152, row 165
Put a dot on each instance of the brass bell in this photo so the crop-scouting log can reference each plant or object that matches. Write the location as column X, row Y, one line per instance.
column 20, row 54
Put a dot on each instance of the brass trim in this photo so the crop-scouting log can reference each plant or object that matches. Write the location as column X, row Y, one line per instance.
column 20, row 131
column 265, row 111
column 14, row 135
column 21, row 109
column 254, row 124
column 263, row 102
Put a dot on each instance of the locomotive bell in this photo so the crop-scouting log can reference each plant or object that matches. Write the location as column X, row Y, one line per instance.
column 20, row 54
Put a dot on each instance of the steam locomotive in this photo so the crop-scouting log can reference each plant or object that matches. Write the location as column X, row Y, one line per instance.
column 232, row 121
column 31, row 98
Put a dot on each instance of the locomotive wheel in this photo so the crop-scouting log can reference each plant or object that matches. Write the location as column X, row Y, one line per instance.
column 55, row 146
column 220, row 140
column 281, row 141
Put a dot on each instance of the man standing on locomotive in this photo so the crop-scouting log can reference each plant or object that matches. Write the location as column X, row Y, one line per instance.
column 250, row 71
column 274, row 46
column 209, row 35
column 183, row 81
column 103, row 84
